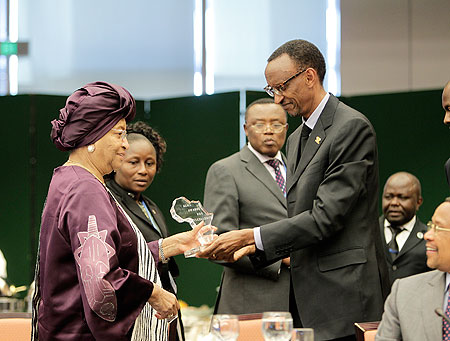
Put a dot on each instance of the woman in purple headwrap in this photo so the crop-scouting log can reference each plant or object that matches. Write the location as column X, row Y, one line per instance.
column 96, row 277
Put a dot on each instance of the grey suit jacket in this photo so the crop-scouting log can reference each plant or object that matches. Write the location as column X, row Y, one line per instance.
column 242, row 194
column 337, row 263
column 412, row 258
column 409, row 309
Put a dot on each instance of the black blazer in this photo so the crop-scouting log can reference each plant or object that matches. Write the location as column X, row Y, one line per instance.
column 130, row 206
column 412, row 258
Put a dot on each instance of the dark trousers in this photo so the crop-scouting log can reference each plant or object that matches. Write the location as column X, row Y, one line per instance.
column 297, row 320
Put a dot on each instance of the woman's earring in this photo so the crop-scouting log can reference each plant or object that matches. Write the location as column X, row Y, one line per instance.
column 91, row 148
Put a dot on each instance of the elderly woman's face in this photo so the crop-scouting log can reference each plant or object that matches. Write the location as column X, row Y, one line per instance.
column 110, row 149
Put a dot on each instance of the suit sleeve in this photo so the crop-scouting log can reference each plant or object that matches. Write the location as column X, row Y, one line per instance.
column 343, row 182
column 389, row 328
column 112, row 296
column 222, row 198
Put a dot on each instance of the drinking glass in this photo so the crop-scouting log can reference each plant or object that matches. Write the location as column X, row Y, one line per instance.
column 277, row 326
column 225, row 327
column 302, row 334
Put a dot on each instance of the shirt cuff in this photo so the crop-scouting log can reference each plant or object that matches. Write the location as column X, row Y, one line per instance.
column 258, row 239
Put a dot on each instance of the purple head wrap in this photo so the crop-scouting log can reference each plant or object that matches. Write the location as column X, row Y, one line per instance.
column 91, row 112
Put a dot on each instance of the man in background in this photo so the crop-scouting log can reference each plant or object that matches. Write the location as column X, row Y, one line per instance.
column 410, row 308
column 244, row 190
column 446, row 107
column 401, row 228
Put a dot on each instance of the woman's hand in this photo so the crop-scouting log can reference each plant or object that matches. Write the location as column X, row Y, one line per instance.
column 184, row 241
column 164, row 302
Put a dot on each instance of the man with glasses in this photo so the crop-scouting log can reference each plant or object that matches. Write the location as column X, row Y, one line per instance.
column 248, row 189
column 410, row 308
column 338, row 272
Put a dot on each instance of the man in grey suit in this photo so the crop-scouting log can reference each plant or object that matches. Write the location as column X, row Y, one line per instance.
column 243, row 192
column 401, row 228
column 338, row 272
column 410, row 308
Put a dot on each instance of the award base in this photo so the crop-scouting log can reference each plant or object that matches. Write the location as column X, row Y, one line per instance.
column 192, row 252
column 204, row 239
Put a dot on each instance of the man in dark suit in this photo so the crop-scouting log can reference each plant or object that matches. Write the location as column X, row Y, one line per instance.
column 405, row 254
column 446, row 106
column 410, row 308
column 242, row 190
column 338, row 272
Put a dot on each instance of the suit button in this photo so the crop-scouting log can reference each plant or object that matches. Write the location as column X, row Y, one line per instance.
column 394, row 267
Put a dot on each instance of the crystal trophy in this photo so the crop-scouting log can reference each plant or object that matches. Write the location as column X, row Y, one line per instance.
column 184, row 210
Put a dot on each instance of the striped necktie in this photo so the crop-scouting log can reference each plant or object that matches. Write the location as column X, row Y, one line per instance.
column 278, row 176
column 445, row 324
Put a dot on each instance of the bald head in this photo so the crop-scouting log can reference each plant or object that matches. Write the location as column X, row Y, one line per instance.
column 402, row 197
column 405, row 179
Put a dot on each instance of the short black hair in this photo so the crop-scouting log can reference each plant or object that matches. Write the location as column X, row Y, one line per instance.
column 140, row 130
column 267, row 100
column 305, row 54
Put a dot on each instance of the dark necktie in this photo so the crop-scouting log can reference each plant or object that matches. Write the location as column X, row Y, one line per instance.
column 278, row 176
column 303, row 139
column 445, row 324
column 393, row 246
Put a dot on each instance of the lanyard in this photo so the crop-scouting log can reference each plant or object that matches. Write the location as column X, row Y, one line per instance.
column 149, row 215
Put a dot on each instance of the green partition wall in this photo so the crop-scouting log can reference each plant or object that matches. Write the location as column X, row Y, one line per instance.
column 411, row 137
column 198, row 131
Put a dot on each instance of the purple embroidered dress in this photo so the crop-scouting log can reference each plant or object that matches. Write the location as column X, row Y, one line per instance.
column 88, row 264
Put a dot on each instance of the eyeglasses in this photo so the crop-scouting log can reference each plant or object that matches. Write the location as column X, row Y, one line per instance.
column 435, row 228
column 278, row 89
column 274, row 127
column 122, row 133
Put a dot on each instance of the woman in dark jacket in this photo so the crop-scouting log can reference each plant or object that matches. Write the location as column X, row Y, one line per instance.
column 142, row 161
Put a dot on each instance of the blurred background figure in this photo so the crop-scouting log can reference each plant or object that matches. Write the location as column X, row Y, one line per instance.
column 143, row 159
column 244, row 190
column 3, row 275
column 401, row 228
column 446, row 107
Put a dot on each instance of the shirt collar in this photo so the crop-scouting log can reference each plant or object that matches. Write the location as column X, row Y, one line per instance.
column 408, row 226
column 264, row 158
column 312, row 120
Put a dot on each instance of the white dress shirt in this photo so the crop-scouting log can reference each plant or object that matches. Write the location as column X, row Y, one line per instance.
column 264, row 158
column 402, row 236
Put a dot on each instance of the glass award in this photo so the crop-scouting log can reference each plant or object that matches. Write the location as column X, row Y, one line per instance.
column 184, row 210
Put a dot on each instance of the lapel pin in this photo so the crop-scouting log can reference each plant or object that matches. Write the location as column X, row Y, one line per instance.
column 154, row 211
column 318, row 139
column 420, row 235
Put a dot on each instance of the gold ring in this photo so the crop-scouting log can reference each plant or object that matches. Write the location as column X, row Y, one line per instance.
column 213, row 256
